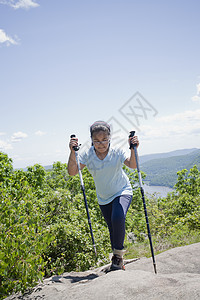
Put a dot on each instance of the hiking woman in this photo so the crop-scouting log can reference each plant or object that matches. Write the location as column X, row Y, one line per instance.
column 114, row 191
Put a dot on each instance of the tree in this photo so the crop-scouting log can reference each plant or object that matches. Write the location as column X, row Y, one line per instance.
column 6, row 169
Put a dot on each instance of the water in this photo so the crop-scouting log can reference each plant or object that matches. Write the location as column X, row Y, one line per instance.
column 161, row 191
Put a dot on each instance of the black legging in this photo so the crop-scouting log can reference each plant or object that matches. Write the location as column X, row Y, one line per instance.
column 114, row 214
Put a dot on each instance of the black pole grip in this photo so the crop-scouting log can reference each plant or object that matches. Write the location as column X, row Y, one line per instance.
column 132, row 133
column 76, row 148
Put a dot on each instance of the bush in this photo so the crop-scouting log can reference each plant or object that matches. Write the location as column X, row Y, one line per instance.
column 44, row 225
column 22, row 242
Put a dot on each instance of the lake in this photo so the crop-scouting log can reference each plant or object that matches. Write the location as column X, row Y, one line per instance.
column 162, row 191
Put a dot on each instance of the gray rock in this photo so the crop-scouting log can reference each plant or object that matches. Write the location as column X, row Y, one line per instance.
column 178, row 277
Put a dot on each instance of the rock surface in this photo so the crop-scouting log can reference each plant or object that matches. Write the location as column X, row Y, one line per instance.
column 178, row 277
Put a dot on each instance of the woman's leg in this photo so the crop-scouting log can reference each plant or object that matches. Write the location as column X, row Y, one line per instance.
column 107, row 213
column 114, row 214
column 120, row 207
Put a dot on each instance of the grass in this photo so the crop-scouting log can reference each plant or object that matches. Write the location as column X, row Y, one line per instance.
column 142, row 249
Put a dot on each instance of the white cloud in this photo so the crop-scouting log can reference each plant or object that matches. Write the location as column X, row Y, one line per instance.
column 198, row 89
column 188, row 115
column 196, row 98
column 176, row 125
column 18, row 136
column 4, row 146
column 4, row 38
column 40, row 133
column 2, row 133
column 25, row 4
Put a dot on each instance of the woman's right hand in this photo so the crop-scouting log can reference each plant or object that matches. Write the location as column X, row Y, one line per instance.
column 73, row 143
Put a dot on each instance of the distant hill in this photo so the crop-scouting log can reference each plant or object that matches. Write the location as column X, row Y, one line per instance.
column 49, row 167
column 147, row 157
column 162, row 170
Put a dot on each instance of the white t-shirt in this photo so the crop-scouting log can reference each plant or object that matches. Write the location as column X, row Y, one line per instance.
column 109, row 177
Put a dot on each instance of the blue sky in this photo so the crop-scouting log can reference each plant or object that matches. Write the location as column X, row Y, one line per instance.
column 65, row 64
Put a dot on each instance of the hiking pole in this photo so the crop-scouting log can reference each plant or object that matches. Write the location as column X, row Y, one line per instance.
column 132, row 133
column 76, row 148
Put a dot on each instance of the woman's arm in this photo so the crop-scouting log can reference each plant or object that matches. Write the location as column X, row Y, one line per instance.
column 131, row 162
column 72, row 164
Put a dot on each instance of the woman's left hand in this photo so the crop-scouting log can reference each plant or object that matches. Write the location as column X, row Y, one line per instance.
column 134, row 140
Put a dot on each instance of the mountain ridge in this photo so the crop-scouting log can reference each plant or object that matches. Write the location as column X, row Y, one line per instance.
column 163, row 171
column 179, row 152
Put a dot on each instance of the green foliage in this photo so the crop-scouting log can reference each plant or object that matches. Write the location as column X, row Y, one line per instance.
column 71, row 248
column 22, row 241
column 174, row 220
column 6, row 169
column 43, row 225
column 180, row 208
column 58, row 176
column 135, row 220
column 189, row 182
column 36, row 177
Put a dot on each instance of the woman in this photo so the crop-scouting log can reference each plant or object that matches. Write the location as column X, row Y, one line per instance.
column 114, row 191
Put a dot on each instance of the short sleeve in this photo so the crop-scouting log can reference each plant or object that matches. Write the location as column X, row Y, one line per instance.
column 83, row 158
column 123, row 155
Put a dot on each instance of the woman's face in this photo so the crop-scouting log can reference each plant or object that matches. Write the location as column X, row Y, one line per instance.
column 101, row 141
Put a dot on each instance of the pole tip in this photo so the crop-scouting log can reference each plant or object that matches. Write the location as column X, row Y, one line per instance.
column 155, row 269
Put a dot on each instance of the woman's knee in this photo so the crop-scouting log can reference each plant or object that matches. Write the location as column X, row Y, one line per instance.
column 118, row 218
